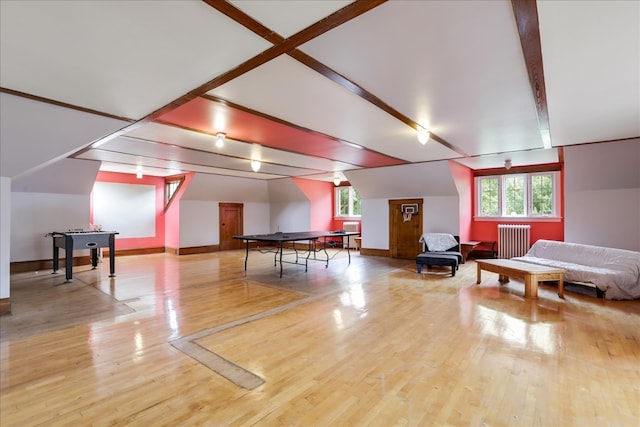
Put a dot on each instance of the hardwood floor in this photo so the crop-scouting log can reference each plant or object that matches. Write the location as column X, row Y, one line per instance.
column 194, row 340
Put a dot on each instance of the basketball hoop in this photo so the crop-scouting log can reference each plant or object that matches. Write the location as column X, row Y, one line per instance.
column 408, row 210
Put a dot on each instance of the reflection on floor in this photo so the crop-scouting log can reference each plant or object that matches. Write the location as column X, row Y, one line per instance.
column 196, row 340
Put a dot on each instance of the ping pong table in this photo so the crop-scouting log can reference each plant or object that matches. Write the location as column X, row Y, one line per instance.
column 284, row 241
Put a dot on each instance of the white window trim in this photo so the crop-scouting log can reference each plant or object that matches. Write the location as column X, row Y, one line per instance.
column 557, row 202
column 336, row 199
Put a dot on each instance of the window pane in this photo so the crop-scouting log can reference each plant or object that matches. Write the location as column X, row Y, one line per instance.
column 514, row 195
column 542, row 194
column 489, row 197
column 343, row 208
column 170, row 189
column 357, row 209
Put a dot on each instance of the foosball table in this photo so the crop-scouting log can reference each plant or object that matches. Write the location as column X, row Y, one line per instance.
column 82, row 239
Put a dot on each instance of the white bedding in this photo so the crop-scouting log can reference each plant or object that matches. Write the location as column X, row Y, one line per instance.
column 614, row 271
column 437, row 242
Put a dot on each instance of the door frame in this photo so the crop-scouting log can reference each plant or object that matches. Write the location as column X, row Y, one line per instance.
column 395, row 204
column 230, row 244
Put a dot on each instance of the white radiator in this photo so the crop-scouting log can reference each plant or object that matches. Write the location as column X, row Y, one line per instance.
column 350, row 226
column 513, row 240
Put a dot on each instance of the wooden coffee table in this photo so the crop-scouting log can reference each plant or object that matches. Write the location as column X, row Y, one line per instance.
column 530, row 273
column 466, row 248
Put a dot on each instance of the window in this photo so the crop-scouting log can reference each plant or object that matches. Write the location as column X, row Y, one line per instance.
column 171, row 186
column 347, row 202
column 520, row 195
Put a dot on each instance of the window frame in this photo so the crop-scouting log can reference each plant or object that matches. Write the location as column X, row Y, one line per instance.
column 167, row 182
column 337, row 204
column 528, row 197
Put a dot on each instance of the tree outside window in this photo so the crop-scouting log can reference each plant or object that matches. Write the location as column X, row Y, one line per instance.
column 517, row 195
column 542, row 194
column 514, row 195
column 348, row 203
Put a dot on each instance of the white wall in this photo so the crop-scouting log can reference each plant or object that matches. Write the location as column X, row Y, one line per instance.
column 5, row 236
column 33, row 215
column 199, row 207
column 430, row 181
column 199, row 221
column 406, row 181
column 257, row 218
column 602, row 194
column 608, row 218
column 290, row 209
column 439, row 215
column 129, row 209
column 226, row 189
column 375, row 223
column 290, row 216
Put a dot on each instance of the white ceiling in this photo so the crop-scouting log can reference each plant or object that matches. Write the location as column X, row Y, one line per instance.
column 91, row 79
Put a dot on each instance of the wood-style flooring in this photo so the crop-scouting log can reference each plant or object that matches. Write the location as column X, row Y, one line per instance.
column 194, row 340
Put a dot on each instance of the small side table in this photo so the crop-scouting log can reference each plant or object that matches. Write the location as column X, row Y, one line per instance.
column 466, row 248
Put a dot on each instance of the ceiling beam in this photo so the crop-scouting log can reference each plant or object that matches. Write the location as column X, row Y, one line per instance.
column 526, row 14
column 281, row 46
column 348, row 13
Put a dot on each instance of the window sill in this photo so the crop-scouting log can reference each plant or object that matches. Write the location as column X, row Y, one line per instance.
column 518, row 218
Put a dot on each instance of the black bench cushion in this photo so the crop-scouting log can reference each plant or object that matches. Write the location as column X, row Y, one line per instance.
column 440, row 259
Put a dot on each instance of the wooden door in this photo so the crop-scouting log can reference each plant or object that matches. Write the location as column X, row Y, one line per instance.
column 404, row 232
column 231, row 224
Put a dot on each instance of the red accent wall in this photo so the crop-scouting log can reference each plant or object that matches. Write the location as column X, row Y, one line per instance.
column 337, row 223
column 138, row 242
column 320, row 194
column 463, row 178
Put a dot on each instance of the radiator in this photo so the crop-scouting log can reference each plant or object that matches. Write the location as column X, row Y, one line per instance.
column 350, row 226
column 513, row 240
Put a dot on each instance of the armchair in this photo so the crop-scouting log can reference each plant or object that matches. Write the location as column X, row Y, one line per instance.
column 447, row 253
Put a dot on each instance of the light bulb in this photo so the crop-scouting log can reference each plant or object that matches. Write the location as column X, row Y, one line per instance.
column 423, row 135
column 220, row 139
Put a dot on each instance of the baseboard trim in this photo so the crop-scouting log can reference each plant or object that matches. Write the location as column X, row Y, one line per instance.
column 197, row 250
column 5, row 306
column 47, row 264
column 375, row 252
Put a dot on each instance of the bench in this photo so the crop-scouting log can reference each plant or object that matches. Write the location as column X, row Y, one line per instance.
column 530, row 273
column 439, row 259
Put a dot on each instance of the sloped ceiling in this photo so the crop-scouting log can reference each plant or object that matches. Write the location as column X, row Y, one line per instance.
column 311, row 88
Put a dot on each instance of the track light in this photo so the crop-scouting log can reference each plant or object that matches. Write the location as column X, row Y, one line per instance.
column 507, row 164
column 423, row 135
column 255, row 165
column 139, row 172
column 220, row 136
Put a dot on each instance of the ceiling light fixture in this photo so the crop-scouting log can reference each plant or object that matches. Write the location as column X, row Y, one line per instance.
column 507, row 164
column 220, row 139
column 336, row 179
column 255, row 165
column 423, row 135
column 139, row 172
